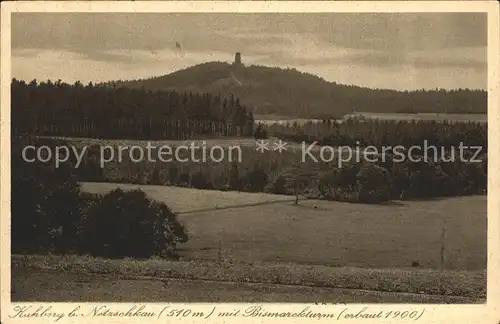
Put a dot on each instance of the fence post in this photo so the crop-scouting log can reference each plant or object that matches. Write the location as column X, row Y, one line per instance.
column 443, row 238
column 219, row 251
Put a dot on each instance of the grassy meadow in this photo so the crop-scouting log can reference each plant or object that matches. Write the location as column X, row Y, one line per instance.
column 85, row 287
column 187, row 200
column 227, row 280
column 269, row 228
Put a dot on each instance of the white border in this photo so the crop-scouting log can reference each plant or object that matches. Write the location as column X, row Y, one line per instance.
column 488, row 313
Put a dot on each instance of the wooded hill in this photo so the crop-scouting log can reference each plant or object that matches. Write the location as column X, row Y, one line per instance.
column 288, row 92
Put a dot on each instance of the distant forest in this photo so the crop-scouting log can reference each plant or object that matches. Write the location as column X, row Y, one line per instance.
column 288, row 92
column 61, row 109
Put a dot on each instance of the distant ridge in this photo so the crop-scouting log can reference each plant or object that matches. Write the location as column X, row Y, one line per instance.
column 288, row 92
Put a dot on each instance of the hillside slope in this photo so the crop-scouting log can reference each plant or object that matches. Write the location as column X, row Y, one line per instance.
column 288, row 92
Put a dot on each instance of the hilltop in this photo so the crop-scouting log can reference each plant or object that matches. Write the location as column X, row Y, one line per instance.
column 289, row 92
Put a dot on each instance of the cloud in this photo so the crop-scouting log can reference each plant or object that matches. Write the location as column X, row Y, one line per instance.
column 424, row 60
column 406, row 31
column 117, row 45
column 382, row 31
column 309, row 50
column 402, row 77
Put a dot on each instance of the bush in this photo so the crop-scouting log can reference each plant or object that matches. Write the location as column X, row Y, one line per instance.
column 256, row 180
column 50, row 214
column 327, row 184
column 234, row 177
column 260, row 132
column 127, row 224
column 200, row 181
column 339, row 183
column 374, row 184
column 173, row 174
column 279, row 186
column 173, row 231
column 45, row 203
column 90, row 169
column 347, row 176
column 400, row 180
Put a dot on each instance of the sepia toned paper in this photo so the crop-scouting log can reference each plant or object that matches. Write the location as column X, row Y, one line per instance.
column 263, row 221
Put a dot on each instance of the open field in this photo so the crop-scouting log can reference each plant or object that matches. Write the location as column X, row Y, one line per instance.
column 53, row 286
column 187, row 200
column 245, row 143
column 79, row 142
column 325, row 232
column 423, row 117
column 81, row 278
column 482, row 118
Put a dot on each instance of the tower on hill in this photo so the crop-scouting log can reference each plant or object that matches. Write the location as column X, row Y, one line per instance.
column 237, row 59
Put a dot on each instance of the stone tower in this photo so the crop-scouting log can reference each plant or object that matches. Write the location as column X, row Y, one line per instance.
column 237, row 59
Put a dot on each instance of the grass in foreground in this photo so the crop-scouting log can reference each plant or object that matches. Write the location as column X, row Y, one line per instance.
column 333, row 234
column 343, row 234
column 32, row 285
column 470, row 284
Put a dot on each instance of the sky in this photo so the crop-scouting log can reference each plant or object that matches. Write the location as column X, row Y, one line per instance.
column 403, row 51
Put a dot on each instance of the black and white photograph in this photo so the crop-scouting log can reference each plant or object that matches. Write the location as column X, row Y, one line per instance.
column 248, row 157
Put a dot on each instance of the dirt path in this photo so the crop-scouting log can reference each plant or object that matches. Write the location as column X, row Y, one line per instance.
column 57, row 286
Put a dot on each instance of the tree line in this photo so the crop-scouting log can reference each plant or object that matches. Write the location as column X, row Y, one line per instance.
column 61, row 109
column 357, row 132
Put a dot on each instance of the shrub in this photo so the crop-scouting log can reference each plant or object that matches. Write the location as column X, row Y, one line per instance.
column 184, row 179
column 279, row 186
column 127, row 224
column 260, row 132
column 327, row 185
column 400, row 180
column 173, row 231
column 45, row 203
column 30, row 230
column 339, row 183
column 90, row 169
column 256, row 180
column 200, row 181
column 173, row 174
column 374, row 183
column 346, row 177
column 234, row 177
